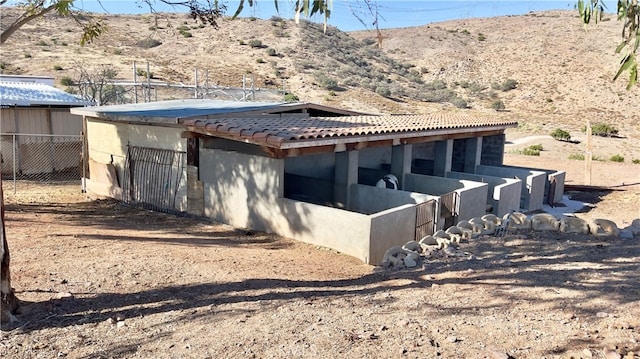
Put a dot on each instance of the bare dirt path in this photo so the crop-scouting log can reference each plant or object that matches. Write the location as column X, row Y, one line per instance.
column 109, row 281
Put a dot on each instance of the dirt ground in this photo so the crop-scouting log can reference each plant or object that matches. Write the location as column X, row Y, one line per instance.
column 103, row 280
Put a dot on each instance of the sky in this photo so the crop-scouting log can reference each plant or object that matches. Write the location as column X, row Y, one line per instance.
column 345, row 13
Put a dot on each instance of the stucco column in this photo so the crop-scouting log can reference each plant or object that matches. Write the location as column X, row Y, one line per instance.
column 401, row 161
column 346, row 174
column 473, row 153
column 443, row 157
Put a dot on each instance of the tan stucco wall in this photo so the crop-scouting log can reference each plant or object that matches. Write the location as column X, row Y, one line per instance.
column 107, row 144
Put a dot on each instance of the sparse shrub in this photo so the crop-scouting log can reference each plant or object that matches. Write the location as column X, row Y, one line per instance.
column 260, row 60
column 117, row 52
column 57, row 68
column 186, row 34
column 27, row 56
column 255, row 43
column 616, row 158
column 495, row 86
column 3, row 66
column 635, row 161
column 604, row 130
column 576, row 156
column 509, row 84
column 383, row 91
column 498, row 105
column 481, row 37
column 436, row 85
column 272, row 52
column 459, row 102
column 42, row 43
column 149, row 43
column 66, row 81
column 326, row 81
column 143, row 73
column 424, row 70
column 242, row 43
column 560, row 135
column 533, row 150
column 289, row 97
column 332, row 93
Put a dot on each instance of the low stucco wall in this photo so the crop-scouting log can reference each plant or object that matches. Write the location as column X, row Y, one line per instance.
column 472, row 195
column 246, row 191
column 533, row 189
column 503, row 193
column 370, row 199
column 472, row 200
column 344, row 231
column 558, row 176
column 393, row 227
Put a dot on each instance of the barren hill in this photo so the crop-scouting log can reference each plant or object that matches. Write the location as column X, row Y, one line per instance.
column 544, row 67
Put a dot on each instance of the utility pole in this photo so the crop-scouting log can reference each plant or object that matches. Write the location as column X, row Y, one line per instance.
column 588, row 156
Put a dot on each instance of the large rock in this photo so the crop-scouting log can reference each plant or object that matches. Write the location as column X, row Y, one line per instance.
column 574, row 225
column 544, row 222
column 518, row 220
column 604, row 228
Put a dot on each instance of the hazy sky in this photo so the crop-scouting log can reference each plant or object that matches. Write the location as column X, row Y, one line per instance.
column 345, row 13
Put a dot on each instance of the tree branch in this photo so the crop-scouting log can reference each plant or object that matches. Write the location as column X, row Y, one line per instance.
column 22, row 20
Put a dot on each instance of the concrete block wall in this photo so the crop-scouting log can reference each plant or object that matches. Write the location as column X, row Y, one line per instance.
column 492, row 150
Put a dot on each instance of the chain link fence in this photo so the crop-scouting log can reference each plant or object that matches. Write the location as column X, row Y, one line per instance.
column 37, row 162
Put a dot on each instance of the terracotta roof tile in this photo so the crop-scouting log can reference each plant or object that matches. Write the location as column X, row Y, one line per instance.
column 291, row 129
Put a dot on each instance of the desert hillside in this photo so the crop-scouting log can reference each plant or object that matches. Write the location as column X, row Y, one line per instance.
column 547, row 71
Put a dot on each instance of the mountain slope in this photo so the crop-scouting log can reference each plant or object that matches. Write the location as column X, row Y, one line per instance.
column 554, row 72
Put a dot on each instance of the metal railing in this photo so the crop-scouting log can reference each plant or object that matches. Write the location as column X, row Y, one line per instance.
column 31, row 160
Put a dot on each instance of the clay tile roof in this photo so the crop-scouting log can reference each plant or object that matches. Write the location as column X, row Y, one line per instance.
column 317, row 129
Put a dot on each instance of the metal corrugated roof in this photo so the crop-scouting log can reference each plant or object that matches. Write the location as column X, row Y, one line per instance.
column 175, row 109
column 36, row 94
column 299, row 132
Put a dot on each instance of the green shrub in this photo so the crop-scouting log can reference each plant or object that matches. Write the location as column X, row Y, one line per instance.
column 272, row 52
column 481, row 37
column 332, row 93
column 635, row 161
column 255, row 43
column 616, row 158
column 66, row 81
column 383, row 91
column 42, row 43
column 604, row 130
column 241, row 42
column 57, row 68
column 498, row 105
column 148, row 43
column 260, row 60
column 27, row 56
column 576, row 156
column 186, row 34
column 3, row 66
column 459, row 102
column 325, row 81
column 560, row 135
column 289, row 97
column 143, row 73
column 536, row 147
column 117, row 52
column 509, row 84
column 531, row 151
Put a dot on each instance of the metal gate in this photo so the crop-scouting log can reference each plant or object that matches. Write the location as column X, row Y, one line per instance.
column 449, row 208
column 152, row 177
column 425, row 218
